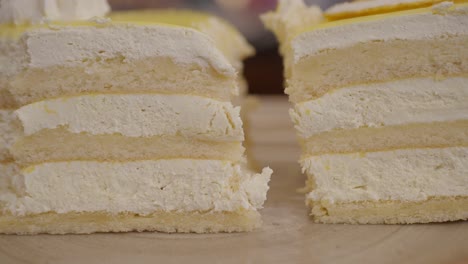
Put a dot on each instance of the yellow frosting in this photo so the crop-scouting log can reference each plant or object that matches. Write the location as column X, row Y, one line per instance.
column 183, row 18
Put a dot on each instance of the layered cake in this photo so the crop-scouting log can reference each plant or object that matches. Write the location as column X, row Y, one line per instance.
column 9, row 126
column 127, row 122
column 380, row 104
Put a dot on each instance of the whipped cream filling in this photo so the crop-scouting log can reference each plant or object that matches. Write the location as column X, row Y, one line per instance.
column 445, row 20
column 37, row 11
column 141, row 187
column 136, row 115
column 402, row 175
column 418, row 100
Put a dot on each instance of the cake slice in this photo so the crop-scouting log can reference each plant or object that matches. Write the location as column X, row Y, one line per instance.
column 128, row 125
column 380, row 100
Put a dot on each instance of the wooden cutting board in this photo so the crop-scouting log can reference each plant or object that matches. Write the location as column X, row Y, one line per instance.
column 288, row 235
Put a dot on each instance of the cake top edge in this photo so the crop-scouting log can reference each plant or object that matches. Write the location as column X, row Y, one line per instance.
column 148, row 17
column 373, row 7
column 437, row 9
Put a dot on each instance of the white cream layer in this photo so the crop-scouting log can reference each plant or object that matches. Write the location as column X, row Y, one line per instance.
column 402, row 175
column 444, row 21
column 136, row 115
column 418, row 100
column 74, row 45
column 139, row 187
column 37, row 11
column 9, row 131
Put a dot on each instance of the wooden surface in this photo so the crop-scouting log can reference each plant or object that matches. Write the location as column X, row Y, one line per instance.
column 288, row 235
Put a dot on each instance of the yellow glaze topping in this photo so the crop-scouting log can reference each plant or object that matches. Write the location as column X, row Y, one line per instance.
column 183, row 18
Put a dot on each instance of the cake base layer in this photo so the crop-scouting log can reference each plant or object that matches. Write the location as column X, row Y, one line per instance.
column 48, row 145
column 168, row 222
column 432, row 135
column 154, row 75
column 436, row 209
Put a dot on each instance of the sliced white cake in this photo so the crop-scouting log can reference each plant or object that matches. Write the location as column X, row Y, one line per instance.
column 380, row 93
column 127, row 123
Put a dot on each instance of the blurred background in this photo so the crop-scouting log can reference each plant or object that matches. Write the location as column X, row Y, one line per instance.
column 264, row 71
